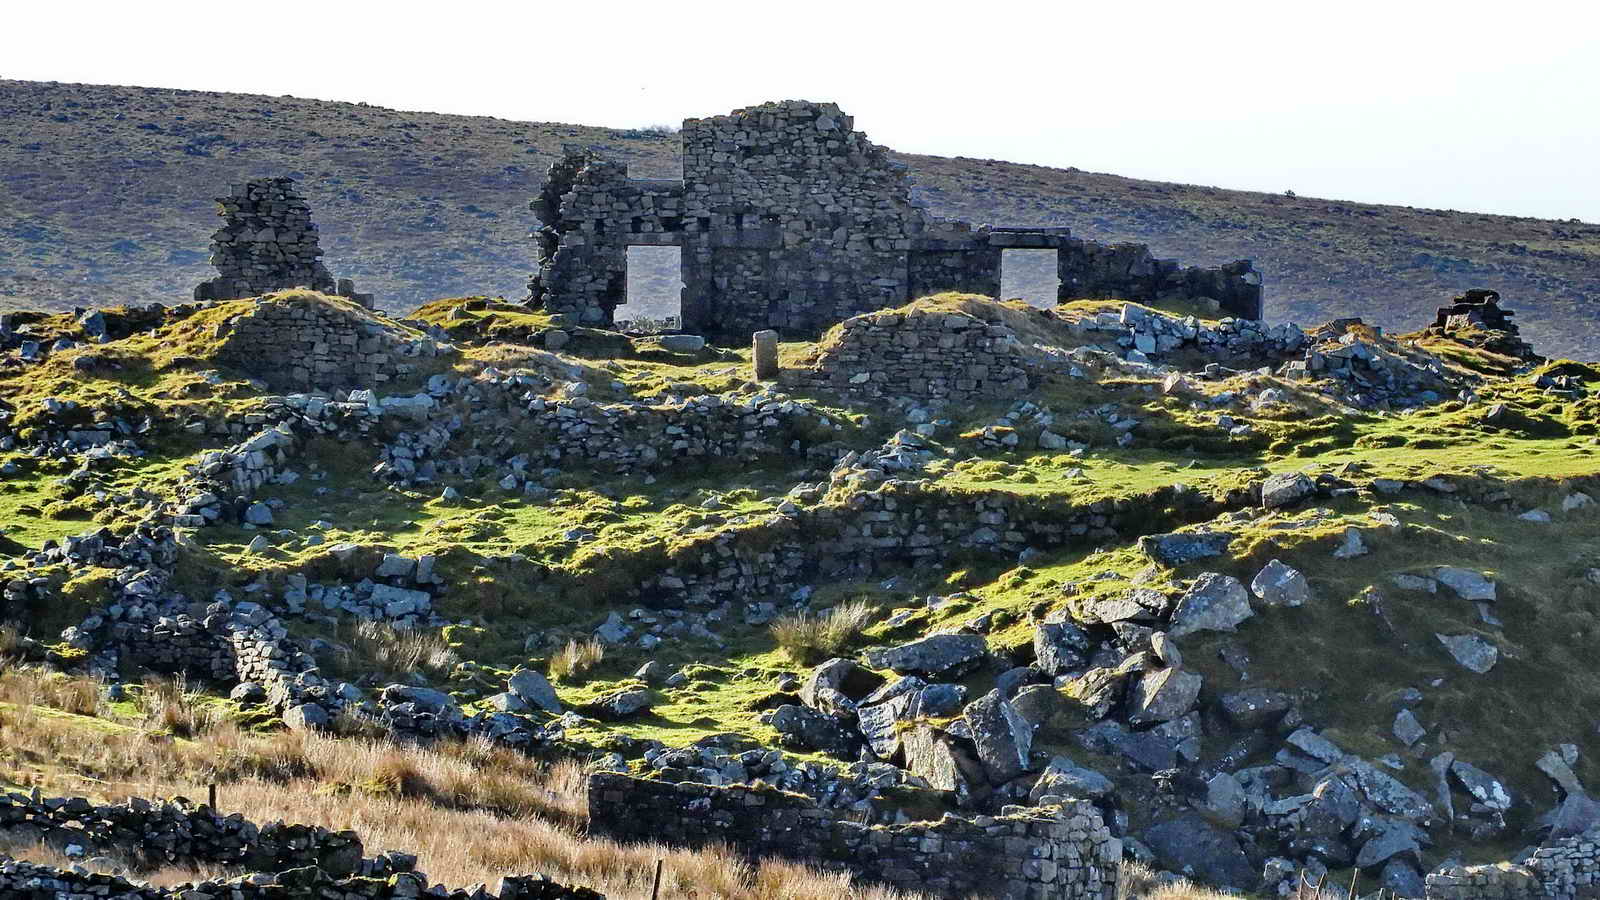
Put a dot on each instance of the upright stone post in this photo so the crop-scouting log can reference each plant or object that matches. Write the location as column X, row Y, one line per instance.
column 764, row 350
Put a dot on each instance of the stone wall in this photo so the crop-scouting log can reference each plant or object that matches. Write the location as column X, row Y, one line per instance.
column 27, row 881
column 932, row 355
column 297, row 340
column 286, row 860
column 176, row 832
column 1064, row 851
column 788, row 218
column 1567, row 869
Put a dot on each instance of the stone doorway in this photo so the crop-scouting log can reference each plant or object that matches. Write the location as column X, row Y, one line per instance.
column 1030, row 275
column 654, row 298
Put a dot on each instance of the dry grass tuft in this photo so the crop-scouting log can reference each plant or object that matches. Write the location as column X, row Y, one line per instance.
column 575, row 658
column 170, row 705
column 807, row 638
column 392, row 653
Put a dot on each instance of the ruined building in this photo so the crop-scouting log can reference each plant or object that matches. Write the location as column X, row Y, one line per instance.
column 268, row 243
column 788, row 218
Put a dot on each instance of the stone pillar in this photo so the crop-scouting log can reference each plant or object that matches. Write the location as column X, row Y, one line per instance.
column 764, row 350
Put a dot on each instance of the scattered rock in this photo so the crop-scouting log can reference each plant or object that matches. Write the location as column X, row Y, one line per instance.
column 1467, row 584
column 1065, row 778
column 933, row 655
column 1002, row 735
column 1213, row 603
column 534, row 689
column 1471, row 651
column 1286, row 489
column 1178, row 548
column 1279, row 585
column 1163, row 695
column 1407, row 728
column 1195, row 848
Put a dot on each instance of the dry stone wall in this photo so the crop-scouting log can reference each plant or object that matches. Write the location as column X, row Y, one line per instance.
column 286, row 860
column 1064, row 851
column 788, row 218
column 1567, row 869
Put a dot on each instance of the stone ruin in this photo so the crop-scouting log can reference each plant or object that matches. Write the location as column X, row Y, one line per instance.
column 268, row 243
column 1476, row 318
column 790, row 219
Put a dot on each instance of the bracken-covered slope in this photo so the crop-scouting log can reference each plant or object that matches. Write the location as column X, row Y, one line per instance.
column 105, row 195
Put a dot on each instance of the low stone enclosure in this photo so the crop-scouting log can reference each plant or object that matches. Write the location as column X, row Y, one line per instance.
column 790, row 219
column 284, row 860
column 1058, row 852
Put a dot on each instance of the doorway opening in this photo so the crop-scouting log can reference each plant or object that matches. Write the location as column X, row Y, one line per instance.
column 654, row 300
column 1030, row 275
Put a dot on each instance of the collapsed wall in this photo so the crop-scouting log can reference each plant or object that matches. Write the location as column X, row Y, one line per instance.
column 1063, row 852
column 268, row 243
column 790, row 219
column 297, row 341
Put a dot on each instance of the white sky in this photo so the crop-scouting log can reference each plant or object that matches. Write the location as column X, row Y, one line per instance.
column 1482, row 106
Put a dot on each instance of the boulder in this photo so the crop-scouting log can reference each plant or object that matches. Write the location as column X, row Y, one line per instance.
column 1213, row 603
column 535, row 690
column 1352, row 545
column 1224, row 801
column 1407, row 729
column 1038, row 703
column 804, row 728
column 1254, row 708
column 1178, row 548
column 933, row 756
column 682, row 343
column 1286, row 489
column 1163, row 695
column 248, row 693
column 834, row 687
column 258, row 513
column 307, row 717
column 1065, row 778
column 1483, row 787
column 1401, row 878
column 1060, row 647
column 1279, row 585
column 1467, row 584
column 1471, row 651
column 506, row 702
column 622, row 704
column 1191, row 846
column 1003, row 737
column 940, row 699
column 880, row 725
column 933, row 655
column 425, row 699
column 1391, row 840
